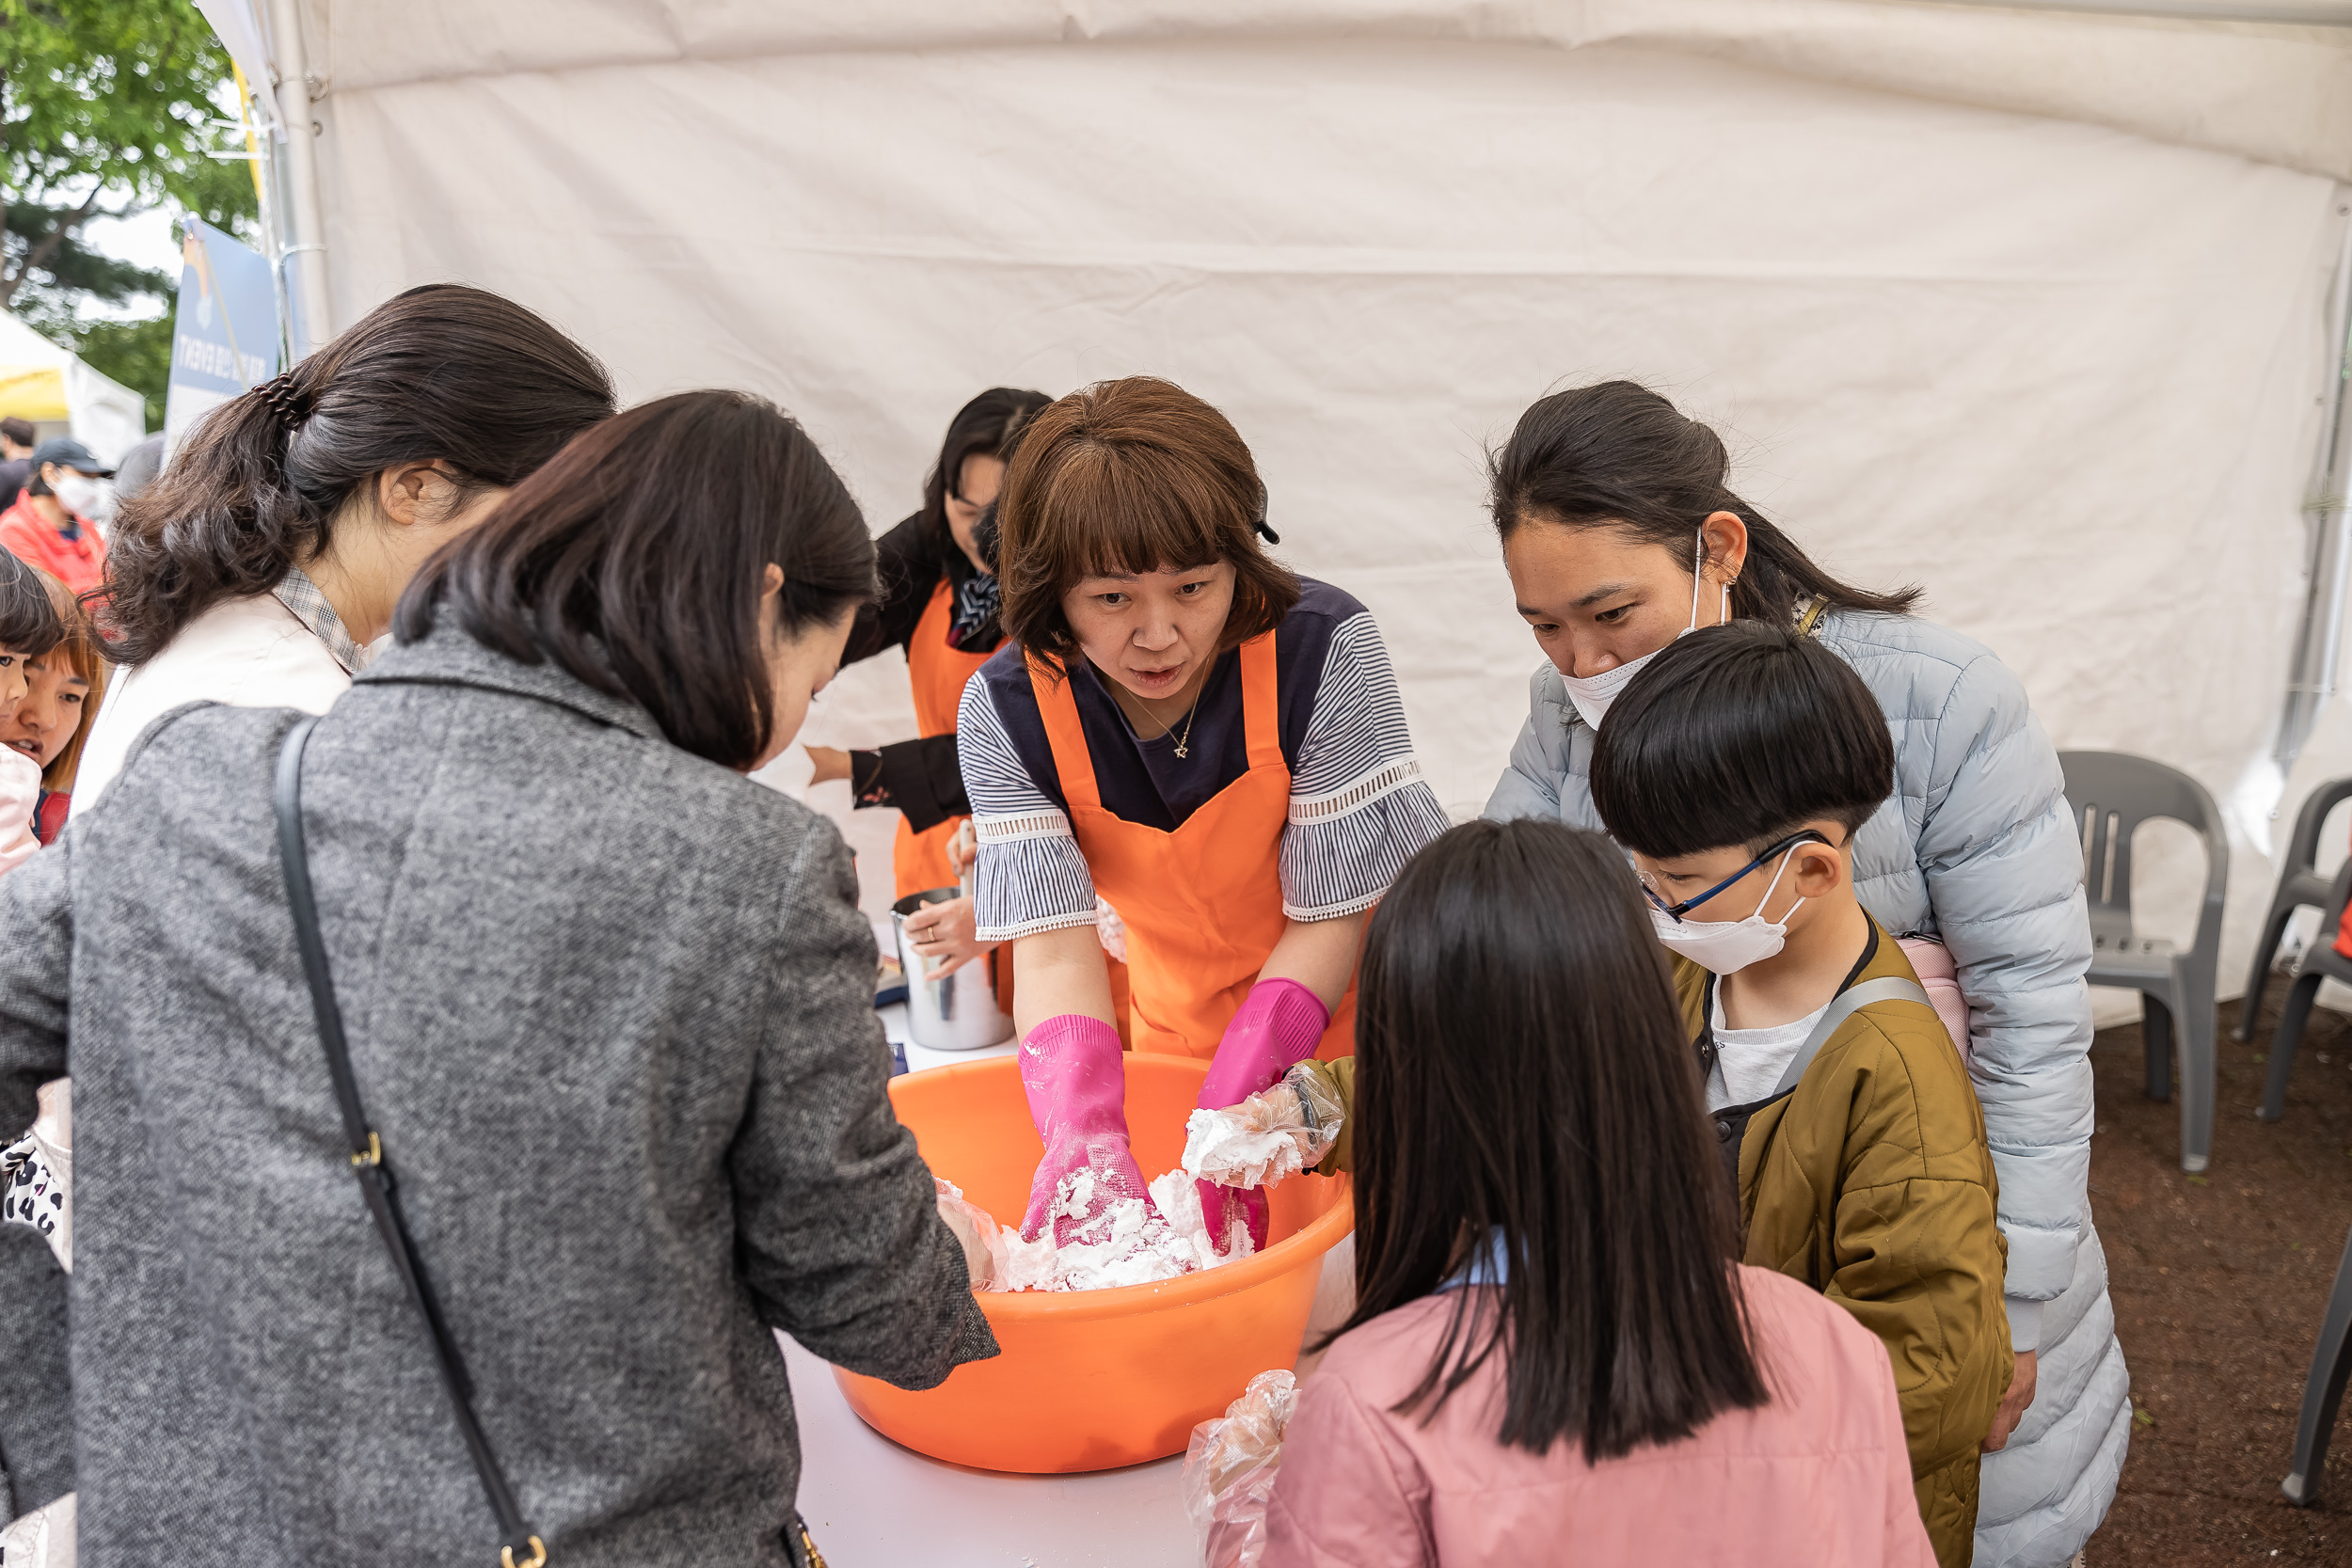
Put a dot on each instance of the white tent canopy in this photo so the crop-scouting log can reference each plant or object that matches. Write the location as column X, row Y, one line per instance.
column 2023, row 307
column 51, row 386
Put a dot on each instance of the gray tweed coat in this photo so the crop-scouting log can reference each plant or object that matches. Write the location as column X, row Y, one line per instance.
column 611, row 1007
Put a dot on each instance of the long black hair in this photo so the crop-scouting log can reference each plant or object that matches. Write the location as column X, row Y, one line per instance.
column 985, row 427
column 635, row 560
column 1618, row 455
column 442, row 371
column 1522, row 1074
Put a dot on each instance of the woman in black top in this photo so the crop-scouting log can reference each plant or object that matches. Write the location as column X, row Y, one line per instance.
column 939, row 603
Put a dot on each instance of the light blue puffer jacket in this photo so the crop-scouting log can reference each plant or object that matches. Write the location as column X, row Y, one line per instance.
column 1977, row 849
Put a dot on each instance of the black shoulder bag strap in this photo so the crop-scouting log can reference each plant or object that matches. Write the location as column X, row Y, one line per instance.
column 519, row 1547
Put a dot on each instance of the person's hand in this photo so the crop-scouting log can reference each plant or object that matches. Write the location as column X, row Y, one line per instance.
column 832, row 763
column 1279, row 1022
column 963, row 847
column 971, row 1227
column 1072, row 1072
column 1269, row 1138
column 942, row 937
column 2013, row 1403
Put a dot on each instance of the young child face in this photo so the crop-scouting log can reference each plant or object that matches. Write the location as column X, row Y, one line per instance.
column 12, row 683
column 1775, row 886
column 55, row 702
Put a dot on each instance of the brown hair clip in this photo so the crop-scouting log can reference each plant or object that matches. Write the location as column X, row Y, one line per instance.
column 284, row 400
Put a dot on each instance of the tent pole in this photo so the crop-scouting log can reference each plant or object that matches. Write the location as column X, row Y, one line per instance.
column 2319, row 647
column 306, row 226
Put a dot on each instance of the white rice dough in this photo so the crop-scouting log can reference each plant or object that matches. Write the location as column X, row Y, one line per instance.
column 1138, row 1240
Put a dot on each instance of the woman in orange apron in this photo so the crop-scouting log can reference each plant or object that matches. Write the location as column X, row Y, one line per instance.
column 938, row 602
column 1188, row 730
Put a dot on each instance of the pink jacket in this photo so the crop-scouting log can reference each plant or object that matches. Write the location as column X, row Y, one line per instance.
column 1817, row 1479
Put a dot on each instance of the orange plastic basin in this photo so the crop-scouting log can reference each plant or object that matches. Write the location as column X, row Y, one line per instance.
column 1092, row 1380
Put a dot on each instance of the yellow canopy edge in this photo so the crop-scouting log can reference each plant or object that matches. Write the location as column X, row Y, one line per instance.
column 34, row 392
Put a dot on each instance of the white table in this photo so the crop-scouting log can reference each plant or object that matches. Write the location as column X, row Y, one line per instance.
column 894, row 1021
column 872, row 1504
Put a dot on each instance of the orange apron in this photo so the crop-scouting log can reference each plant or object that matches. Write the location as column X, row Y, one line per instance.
column 1203, row 904
column 937, row 672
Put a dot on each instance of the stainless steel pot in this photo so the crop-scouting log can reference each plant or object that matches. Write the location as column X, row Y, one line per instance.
column 951, row 1012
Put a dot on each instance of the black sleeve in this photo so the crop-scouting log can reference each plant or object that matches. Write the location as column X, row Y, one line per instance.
column 908, row 564
column 922, row 778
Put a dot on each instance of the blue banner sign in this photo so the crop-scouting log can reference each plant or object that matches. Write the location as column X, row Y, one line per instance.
column 225, row 340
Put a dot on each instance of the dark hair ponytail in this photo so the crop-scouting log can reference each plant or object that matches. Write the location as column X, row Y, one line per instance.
column 1618, row 455
column 440, row 372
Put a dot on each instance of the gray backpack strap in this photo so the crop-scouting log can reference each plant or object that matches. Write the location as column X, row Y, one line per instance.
column 1893, row 988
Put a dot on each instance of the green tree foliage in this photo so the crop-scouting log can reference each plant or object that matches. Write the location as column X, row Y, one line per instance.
column 106, row 106
column 106, row 109
column 135, row 353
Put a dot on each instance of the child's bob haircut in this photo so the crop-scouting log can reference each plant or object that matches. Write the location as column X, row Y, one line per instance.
column 29, row 626
column 1739, row 735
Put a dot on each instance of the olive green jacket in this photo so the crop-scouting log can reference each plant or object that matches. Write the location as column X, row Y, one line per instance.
column 1871, row 1182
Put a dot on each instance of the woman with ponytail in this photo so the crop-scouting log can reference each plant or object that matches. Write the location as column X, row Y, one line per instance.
column 1620, row 533
column 261, row 563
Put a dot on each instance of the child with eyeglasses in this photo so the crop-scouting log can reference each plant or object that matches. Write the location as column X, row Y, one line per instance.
column 1736, row 771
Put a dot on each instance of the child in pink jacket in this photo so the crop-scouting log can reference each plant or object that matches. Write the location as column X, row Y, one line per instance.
column 1553, row 1358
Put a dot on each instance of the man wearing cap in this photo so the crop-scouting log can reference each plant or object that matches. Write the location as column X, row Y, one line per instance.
column 50, row 525
column 16, row 457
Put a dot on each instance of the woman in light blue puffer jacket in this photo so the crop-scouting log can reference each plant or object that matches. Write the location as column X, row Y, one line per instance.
column 1619, row 533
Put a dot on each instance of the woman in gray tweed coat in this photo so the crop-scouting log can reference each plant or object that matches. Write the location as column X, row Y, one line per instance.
column 609, row 1010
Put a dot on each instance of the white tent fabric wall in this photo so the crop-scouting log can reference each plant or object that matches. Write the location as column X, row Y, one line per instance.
column 2059, row 366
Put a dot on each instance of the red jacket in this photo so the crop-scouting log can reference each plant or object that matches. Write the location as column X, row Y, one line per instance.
column 79, row 564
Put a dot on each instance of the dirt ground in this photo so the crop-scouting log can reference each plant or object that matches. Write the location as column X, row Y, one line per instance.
column 2218, row 1283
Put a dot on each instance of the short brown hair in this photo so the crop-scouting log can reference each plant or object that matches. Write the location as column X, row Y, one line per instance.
column 1131, row 476
column 80, row 649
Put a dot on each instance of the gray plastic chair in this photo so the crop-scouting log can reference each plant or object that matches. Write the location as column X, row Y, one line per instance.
column 2320, row 961
column 2323, row 1393
column 2112, row 794
column 2300, row 886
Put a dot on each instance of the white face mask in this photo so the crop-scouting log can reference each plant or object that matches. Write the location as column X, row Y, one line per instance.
column 1591, row 694
column 1728, row 946
column 79, row 494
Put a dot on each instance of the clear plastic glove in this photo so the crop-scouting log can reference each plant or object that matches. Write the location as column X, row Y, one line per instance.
column 974, row 1230
column 1278, row 1026
column 1230, row 1467
column 1072, row 1072
column 1268, row 1137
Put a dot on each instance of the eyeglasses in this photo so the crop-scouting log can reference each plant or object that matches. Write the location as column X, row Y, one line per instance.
column 1676, row 911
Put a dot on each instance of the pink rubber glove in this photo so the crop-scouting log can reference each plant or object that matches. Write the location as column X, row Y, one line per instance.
column 1076, row 1085
column 1279, row 1023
